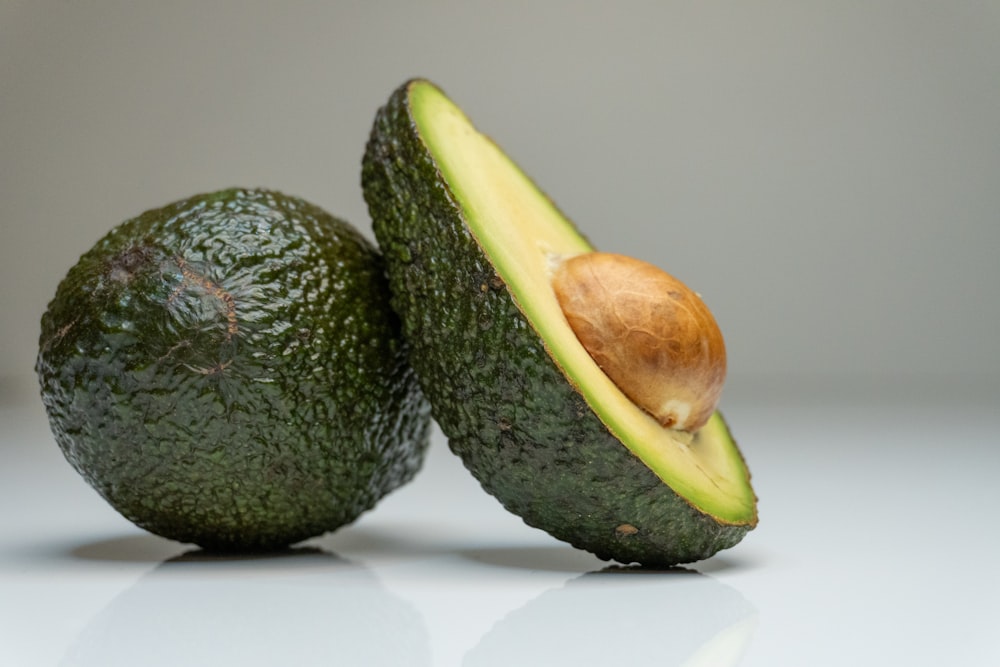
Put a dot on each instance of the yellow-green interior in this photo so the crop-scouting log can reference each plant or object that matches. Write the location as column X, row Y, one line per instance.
column 521, row 232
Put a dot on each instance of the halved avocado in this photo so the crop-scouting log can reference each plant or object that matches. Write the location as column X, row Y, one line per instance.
column 468, row 241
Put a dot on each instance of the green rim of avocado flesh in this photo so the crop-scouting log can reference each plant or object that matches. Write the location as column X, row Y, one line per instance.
column 469, row 241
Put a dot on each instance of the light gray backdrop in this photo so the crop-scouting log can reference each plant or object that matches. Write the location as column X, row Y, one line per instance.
column 826, row 174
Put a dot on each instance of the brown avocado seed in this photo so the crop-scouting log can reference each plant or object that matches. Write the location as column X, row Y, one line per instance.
column 650, row 333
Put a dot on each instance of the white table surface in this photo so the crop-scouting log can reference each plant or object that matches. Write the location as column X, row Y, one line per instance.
column 878, row 545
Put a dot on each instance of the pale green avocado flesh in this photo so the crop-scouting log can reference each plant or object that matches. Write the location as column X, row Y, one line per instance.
column 522, row 233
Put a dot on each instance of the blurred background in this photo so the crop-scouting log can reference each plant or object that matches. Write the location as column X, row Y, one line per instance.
column 827, row 175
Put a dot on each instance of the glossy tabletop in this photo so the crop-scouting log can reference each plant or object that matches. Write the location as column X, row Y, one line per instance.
column 877, row 546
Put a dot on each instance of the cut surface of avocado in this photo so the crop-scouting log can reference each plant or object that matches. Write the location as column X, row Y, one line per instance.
column 470, row 244
column 522, row 233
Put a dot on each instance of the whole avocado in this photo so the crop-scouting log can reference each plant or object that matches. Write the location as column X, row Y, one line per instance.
column 226, row 370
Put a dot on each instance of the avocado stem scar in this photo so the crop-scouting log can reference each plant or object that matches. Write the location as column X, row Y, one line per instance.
column 626, row 530
column 173, row 348
column 214, row 370
column 192, row 277
column 60, row 334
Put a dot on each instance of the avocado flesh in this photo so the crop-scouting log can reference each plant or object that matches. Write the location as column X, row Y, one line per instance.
column 469, row 242
column 226, row 370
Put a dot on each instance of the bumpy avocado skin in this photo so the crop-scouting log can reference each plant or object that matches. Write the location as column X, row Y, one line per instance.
column 507, row 409
column 226, row 371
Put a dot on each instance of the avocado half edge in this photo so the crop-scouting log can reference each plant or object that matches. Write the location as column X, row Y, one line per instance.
column 468, row 241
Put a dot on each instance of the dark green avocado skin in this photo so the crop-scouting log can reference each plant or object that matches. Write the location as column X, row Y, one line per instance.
column 227, row 371
column 507, row 409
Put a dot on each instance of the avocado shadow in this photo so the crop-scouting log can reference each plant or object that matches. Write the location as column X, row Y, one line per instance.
column 359, row 541
column 150, row 548
column 565, row 558
column 366, row 542
column 545, row 558
column 153, row 549
column 143, row 548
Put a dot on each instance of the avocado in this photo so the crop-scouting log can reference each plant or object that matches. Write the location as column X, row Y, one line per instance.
column 226, row 370
column 469, row 242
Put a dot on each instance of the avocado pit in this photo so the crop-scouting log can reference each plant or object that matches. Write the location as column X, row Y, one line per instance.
column 651, row 334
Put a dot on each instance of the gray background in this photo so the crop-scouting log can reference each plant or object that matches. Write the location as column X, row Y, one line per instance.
column 825, row 174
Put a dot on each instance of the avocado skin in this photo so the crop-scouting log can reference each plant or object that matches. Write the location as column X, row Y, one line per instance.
column 226, row 370
column 507, row 409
